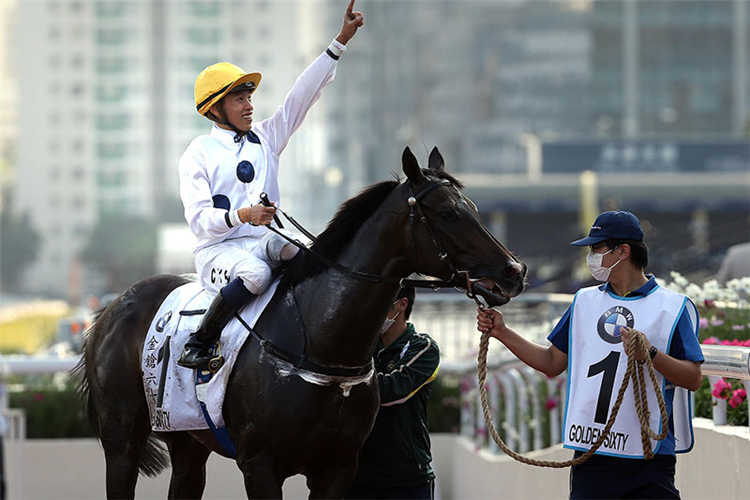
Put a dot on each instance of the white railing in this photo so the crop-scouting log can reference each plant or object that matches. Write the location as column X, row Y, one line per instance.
column 14, row 438
column 730, row 362
column 450, row 319
column 517, row 415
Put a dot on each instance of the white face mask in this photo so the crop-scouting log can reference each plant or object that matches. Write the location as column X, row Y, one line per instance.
column 388, row 323
column 594, row 261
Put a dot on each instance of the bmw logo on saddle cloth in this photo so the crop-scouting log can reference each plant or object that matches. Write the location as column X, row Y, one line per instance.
column 610, row 322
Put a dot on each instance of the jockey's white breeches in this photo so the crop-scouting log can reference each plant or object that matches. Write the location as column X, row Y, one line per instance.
column 250, row 258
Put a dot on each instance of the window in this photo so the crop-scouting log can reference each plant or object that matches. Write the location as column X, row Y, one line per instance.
column 111, row 9
column 117, row 121
column 109, row 151
column 76, row 89
column 112, row 179
column 112, row 36
column 77, row 61
column 114, row 92
column 205, row 9
column 113, row 64
column 203, row 36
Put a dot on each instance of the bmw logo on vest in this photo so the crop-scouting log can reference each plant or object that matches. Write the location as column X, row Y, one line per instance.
column 610, row 322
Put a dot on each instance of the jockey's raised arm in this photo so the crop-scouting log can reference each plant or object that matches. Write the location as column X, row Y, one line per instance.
column 223, row 173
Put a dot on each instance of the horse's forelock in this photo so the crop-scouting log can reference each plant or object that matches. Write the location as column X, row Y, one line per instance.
column 445, row 175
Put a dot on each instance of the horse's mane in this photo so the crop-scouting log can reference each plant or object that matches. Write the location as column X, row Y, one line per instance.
column 340, row 230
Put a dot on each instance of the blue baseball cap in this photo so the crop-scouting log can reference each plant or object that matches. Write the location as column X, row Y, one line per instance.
column 616, row 225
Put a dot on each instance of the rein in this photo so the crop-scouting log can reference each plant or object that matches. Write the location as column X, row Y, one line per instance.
column 634, row 371
column 415, row 211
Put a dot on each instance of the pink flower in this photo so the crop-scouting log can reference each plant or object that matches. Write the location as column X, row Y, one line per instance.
column 450, row 401
column 722, row 390
column 39, row 396
column 738, row 396
column 711, row 341
column 551, row 403
column 703, row 323
column 717, row 322
column 708, row 303
column 738, row 328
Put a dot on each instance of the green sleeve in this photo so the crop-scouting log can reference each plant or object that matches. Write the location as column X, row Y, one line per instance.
column 416, row 368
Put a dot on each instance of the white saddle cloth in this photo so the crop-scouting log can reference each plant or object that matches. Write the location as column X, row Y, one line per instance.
column 170, row 389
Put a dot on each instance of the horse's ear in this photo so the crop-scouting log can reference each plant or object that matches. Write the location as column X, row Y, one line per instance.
column 436, row 162
column 411, row 167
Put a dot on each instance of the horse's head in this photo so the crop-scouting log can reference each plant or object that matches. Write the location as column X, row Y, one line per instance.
column 446, row 238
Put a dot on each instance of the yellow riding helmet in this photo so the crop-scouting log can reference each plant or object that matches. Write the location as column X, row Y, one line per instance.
column 218, row 80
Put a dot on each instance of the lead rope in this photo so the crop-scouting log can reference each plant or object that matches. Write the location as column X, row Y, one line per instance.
column 641, row 403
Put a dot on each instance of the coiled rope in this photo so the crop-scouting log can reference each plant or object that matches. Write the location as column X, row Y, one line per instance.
column 634, row 371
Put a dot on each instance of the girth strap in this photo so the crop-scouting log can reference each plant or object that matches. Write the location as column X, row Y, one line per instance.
column 301, row 361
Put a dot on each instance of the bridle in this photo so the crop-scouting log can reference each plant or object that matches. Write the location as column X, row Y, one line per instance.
column 415, row 214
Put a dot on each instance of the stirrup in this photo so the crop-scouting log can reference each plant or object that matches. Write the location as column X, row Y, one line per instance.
column 215, row 363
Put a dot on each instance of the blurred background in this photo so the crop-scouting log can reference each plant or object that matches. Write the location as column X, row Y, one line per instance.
column 549, row 111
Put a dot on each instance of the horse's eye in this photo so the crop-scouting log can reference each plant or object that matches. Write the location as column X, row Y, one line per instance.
column 446, row 214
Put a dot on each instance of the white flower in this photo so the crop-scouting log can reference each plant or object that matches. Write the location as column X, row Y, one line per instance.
column 695, row 292
column 679, row 279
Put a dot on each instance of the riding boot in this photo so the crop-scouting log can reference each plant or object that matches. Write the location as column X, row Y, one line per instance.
column 198, row 345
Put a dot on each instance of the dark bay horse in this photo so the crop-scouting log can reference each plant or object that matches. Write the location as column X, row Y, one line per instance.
column 285, row 422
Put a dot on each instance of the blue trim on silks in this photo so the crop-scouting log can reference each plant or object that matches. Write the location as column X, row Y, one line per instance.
column 253, row 137
column 221, row 201
column 220, row 433
column 236, row 293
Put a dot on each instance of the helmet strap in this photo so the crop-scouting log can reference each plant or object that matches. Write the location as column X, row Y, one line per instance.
column 222, row 120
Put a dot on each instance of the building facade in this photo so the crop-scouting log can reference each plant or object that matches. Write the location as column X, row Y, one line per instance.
column 107, row 107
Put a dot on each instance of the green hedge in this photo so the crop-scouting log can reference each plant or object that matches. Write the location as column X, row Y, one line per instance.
column 51, row 412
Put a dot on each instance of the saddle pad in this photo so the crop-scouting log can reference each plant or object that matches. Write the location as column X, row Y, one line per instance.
column 170, row 388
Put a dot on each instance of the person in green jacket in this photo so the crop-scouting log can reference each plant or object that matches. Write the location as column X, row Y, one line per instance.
column 395, row 460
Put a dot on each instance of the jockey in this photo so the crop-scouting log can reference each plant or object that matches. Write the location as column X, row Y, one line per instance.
column 222, row 175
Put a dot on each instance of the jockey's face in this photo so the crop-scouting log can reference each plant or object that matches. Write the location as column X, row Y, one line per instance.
column 237, row 108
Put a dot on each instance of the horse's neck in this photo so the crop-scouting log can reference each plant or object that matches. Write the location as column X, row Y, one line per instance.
column 343, row 315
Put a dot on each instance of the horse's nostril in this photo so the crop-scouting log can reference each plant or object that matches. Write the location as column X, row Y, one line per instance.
column 513, row 269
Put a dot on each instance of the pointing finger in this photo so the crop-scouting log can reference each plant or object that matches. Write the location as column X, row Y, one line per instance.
column 349, row 10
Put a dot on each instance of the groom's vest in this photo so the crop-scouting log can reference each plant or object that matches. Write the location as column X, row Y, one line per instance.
column 597, row 363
